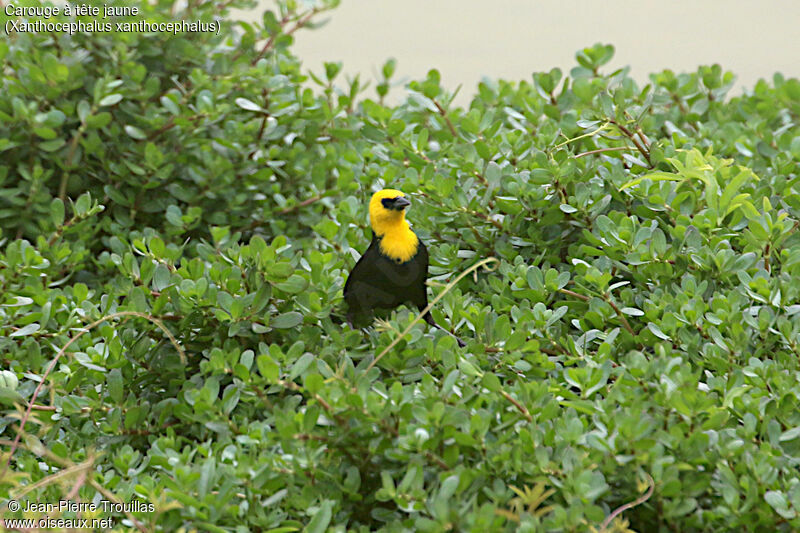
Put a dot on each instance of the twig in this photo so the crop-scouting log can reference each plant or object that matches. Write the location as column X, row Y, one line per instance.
column 81, row 467
column 60, row 230
column 630, row 135
column 325, row 405
column 45, row 407
column 63, row 351
column 521, row 408
column 68, row 465
column 620, row 314
column 73, row 147
column 307, row 201
column 443, row 112
column 483, row 216
column 638, row 501
column 113, row 497
column 265, row 95
column 643, row 137
column 579, row 137
column 301, row 21
column 438, row 460
column 607, row 298
column 574, row 294
column 439, row 296
column 602, row 150
column 169, row 124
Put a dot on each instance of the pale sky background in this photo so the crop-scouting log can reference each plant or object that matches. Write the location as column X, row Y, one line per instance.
column 469, row 39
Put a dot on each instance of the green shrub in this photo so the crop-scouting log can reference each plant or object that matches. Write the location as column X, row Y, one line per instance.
column 637, row 340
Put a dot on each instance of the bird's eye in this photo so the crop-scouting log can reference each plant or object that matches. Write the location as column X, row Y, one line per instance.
column 388, row 203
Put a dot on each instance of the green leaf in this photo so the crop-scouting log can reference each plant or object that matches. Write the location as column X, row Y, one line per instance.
column 287, row 320
column 10, row 397
column 268, row 368
column 653, row 327
column 115, row 385
column 45, row 133
column 109, row 100
column 653, row 176
column 135, row 132
column 790, row 434
column 319, row 522
column 52, row 146
column 301, row 365
column 83, row 110
column 57, row 212
column 491, row 382
column 448, row 488
column 777, row 500
column 99, row 120
column 157, row 247
column 293, row 285
column 244, row 103
column 153, row 156
column 161, row 277
column 313, row 383
column 468, row 368
column 83, row 204
column 26, row 330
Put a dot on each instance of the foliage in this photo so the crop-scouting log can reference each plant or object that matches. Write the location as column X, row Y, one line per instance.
column 642, row 319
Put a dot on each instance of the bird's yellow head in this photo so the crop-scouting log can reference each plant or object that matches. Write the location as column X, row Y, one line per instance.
column 387, row 216
column 387, row 209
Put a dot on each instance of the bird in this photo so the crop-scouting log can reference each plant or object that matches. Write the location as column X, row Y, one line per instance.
column 394, row 268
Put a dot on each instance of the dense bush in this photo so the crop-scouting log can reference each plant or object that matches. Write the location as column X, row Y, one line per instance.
column 637, row 340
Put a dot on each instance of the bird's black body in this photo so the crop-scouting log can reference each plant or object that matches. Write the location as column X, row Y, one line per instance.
column 394, row 268
column 379, row 282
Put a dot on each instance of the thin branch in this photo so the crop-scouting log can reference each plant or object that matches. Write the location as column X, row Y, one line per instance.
column 307, row 201
column 45, row 407
column 638, row 501
column 438, row 460
column 71, row 467
column 620, row 314
column 585, row 135
column 73, row 492
column 602, row 150
column 521, row 408
column 113, row 498
column 301, row 21
column 443, row 112
column 643, row 137
column 55, row 477
column 63, row 350
column 607, row 298
column 169, row 124
column 630, row 135
column 265, row 95
column 485, row 217
column 433, row 302
column 574, row 294
column 68, row 163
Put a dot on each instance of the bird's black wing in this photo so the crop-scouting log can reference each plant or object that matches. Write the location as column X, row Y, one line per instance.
column 365, row 267
column 419, row 291
column 367, row 286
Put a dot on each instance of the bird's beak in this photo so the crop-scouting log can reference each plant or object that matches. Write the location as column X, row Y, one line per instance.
column 401, row 203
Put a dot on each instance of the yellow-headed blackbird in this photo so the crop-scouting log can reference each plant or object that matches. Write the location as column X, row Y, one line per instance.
column 394, row 268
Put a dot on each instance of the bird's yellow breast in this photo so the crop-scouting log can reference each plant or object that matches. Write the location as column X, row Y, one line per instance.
column 399, row 243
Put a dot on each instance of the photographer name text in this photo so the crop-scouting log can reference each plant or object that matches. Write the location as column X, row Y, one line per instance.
column 135, row 506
